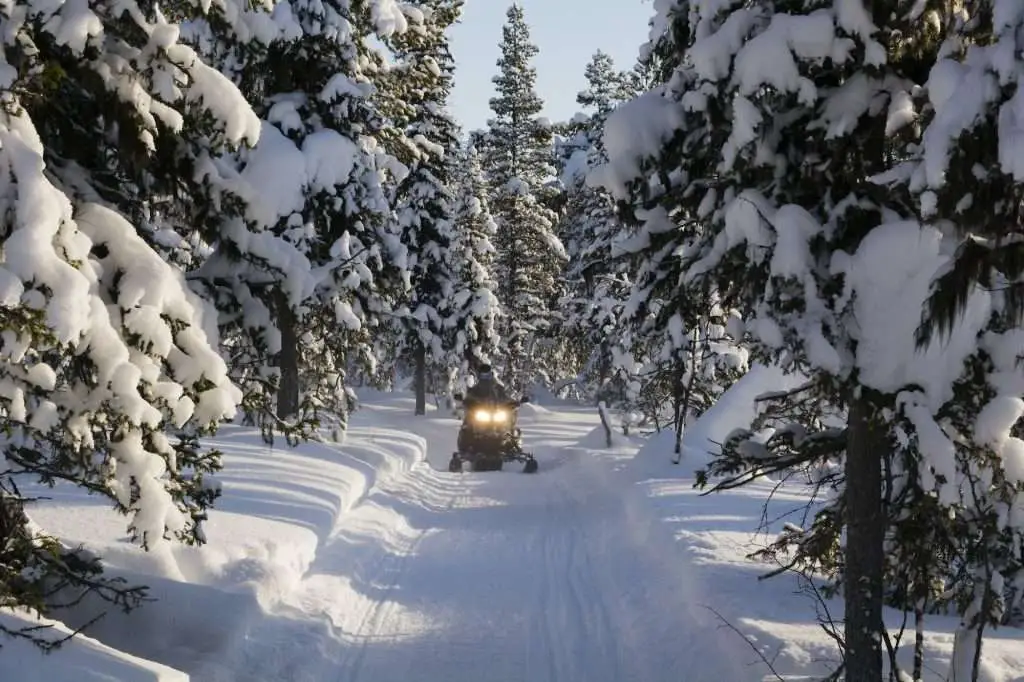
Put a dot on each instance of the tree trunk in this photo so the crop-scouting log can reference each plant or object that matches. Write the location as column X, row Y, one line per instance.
column 420, row 380
column 606, row 422
column 288, row 361
column 866, row 443
column 604, row 367
column 918, row 671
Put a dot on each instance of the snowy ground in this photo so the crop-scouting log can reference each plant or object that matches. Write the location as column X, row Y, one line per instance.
column 369, row 562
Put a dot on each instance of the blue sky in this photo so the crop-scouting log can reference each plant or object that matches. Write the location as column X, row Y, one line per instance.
column 567, row 32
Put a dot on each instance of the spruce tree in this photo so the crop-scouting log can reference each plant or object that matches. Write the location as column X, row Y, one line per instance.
column 329, row 261
column 804, row 220
column 595, row 283
column 947, row 173
column 110, row 368
column 606, row 86
column 474, row 311
column 966, row 175
column 516, row 155
column 425, row 209
column 754, row 188
column 668, row 346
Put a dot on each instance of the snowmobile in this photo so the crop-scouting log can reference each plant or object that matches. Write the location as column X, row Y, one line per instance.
column 489, row 437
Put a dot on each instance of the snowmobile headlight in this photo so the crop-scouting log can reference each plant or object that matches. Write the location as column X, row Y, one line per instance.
column 482, row 416
column 499, row 415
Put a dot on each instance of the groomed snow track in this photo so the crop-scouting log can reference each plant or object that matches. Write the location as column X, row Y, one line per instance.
column 434, row 576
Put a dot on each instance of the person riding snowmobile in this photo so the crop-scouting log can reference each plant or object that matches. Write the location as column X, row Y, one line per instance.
column 488, row 435
column 487, row 389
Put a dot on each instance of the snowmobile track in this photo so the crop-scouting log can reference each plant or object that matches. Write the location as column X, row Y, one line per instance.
column 560, row 649
column 581, row 574
column 556, row 578
column 391, row 568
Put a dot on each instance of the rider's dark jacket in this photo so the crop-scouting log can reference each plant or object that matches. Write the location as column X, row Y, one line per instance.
column 486, row 390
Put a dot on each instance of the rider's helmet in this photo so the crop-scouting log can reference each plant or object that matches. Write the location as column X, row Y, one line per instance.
column 484, row 373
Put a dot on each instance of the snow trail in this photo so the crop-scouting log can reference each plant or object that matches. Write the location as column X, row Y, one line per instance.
column 498, row 576
column 364, row 563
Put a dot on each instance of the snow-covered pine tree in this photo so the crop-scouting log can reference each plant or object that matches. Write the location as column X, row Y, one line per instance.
column 317, row 183
column 596, row 284
column 243, row 265
column 681, row 348
column 109, row 368
column 755, row 170
column 426, row 208
column 517, row 159
column 473, row 312
column 606, row 87
column 967, row 176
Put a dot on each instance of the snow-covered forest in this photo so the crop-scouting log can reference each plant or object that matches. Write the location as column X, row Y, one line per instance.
column 228, row 217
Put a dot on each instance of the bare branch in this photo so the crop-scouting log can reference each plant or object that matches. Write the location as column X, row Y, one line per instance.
column 746, row 639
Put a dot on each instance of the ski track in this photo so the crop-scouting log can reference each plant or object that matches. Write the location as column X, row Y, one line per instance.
column 569, row 578
column 374, row 621
column 498, row 576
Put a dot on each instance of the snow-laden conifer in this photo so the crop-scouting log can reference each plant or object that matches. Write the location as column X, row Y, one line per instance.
column 449, row 312
column 753, row 179
column 517, row 155
column 109, row 369
column 473, row 314
column 325, row 268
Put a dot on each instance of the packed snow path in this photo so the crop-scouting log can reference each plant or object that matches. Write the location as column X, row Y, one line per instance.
column 365, row 563
column 499, row 576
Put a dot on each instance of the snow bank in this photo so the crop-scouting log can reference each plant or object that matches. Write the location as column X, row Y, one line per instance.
column 597, row 439
column 186, row 623
column 704, row 541
column 735, row 409
column 532, row 411
column 82, row 659
column 280, row 505
column 716, row 533
column 641, row 553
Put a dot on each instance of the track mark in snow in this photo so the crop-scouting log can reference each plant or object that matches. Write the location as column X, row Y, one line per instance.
column 501, row 577
column 390, row 572
column 584, row 611
column 544, row 605
column 371, row 628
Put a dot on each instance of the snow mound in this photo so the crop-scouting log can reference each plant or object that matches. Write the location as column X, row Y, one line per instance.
column 735, row 409
column 532, row 411
column 279, row 508
column 596, row 440
column 82, row 659
column 187, row 622
column 658, row 450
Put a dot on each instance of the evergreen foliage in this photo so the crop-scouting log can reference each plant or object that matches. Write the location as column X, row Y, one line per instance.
column 329, row 266
column 596, row 282
column 109, row 368
column 475, row 311
column 256, row 206
column 778, row 177
column 517, row 155
column 450, row 310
